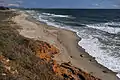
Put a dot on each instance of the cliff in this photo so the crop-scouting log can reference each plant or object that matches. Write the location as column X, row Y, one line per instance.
column 26, row 59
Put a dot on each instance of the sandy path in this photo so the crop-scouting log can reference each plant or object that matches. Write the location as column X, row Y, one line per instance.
column 66, row 41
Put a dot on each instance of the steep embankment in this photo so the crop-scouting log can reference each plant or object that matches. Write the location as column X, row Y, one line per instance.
column 17, row 59
column 26, row 59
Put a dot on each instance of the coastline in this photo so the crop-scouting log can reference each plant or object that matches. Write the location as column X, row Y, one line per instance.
column 67, row 42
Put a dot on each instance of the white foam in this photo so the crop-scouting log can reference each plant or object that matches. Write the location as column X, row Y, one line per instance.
column 40, row 19
column 46, row 14
column 43, row 17
column 92, row 46
column 118, row 75
column 54, row 15
column 106, row 27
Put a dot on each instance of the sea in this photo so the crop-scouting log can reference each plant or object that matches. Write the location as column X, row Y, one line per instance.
column 99, row 30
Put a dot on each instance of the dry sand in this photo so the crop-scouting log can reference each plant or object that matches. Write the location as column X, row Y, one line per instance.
column 67, row 42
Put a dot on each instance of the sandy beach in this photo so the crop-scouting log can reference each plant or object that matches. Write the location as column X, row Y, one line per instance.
column 66, row 41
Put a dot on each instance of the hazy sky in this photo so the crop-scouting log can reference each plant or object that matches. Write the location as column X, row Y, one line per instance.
column 63, row 3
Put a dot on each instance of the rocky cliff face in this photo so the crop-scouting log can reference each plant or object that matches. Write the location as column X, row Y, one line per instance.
column 46, row 52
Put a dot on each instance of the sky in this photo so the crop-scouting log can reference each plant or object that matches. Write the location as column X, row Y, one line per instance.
column 62, row 3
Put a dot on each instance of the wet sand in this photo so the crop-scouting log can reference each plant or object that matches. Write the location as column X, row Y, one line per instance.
column 67, row 42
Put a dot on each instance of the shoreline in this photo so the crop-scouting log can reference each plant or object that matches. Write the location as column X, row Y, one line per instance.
column 70, row 51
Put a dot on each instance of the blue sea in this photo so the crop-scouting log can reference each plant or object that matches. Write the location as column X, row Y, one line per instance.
column 98, row 28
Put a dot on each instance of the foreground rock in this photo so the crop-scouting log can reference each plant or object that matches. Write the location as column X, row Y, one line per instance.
column 65, row 70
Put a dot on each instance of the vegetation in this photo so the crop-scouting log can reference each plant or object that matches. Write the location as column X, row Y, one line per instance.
column 26, row 59
column 18, row 60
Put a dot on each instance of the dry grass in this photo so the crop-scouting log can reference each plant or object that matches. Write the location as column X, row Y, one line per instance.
column 23, row 63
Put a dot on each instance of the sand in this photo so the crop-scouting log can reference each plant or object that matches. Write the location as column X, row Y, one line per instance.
column 66, row 41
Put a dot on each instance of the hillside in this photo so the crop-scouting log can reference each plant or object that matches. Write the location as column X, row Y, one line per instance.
column 26, row 59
